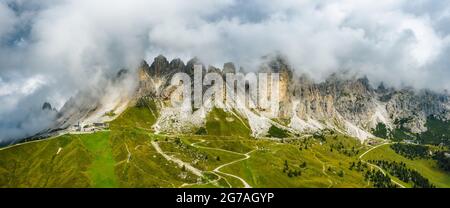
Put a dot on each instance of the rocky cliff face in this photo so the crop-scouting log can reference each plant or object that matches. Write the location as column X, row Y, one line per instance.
column 349, row 105
column 355, row 106
column 414, row 107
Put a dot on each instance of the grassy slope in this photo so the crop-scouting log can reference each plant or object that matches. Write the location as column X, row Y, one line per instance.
column 93, row 160
column 264, row 168
column 203, row 159
column 36, row 164
column 269, row 171
column 428, row 168
column 142, row 117
column 138, row 164
column 221, row 123
column 101, row 170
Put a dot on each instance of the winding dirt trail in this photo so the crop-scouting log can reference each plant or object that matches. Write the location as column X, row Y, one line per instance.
column 209, row 182
column 198, row 172
column 129, row 153
column 217, row 170
column 324, row 171
column 179, row 162
column 376, row 166
column 369, row 150
column 247, row 156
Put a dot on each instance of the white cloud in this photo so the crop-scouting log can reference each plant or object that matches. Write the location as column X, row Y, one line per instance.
column 22, row 87
column 7, row 20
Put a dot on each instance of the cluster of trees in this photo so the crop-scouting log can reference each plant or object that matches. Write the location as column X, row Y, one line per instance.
column 319, row 136
column 341, row 149
column 192, row 152
column 378, row 179
column 178, row 141
column 293, row 172
column 351, row 152
column 411, row 151
column 381, row 131
column 277, row 132
column 359, row 166
column 324, row 134
column 397, row 134
column 303, row 147
column 303, row 143
column 419, row 151
column 443, row 160
column 201, row 131
column 399, row 170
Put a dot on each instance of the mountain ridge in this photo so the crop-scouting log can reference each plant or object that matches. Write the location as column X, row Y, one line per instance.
column 351, row 106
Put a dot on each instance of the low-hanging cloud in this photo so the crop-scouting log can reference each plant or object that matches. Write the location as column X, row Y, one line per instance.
column 50, row 49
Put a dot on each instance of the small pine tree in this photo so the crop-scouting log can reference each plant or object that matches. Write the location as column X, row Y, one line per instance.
column 303, row 165
column 286, row 166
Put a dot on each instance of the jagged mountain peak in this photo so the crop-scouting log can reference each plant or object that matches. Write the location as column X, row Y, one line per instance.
column 159, row 66
column 229, row 67
column 177, row 64
column 212, row 69
column 144, row 65
column 189, row 69
column 160, row 58
column 47, row 106
column 192, row 62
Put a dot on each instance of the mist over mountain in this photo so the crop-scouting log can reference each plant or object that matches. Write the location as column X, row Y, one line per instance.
column 52, row 50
